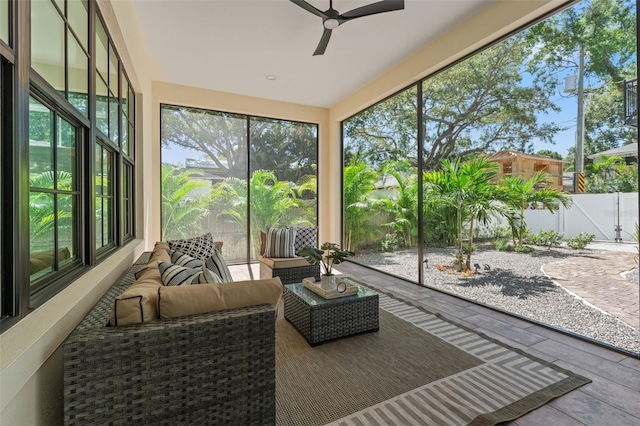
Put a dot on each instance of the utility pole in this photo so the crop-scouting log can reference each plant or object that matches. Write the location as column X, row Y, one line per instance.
column 580, row 129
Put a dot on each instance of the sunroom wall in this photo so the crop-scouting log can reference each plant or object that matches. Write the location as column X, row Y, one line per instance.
column 31, row 362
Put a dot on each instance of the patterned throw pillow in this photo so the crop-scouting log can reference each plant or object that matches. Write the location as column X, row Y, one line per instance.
column 175, row 275
column 280, row 242
column 218, row 266
column 181, row 259
column 206, row 276
column 305, row 236
column 201, row 247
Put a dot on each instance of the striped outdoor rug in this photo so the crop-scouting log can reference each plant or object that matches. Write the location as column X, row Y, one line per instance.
column 419, row 369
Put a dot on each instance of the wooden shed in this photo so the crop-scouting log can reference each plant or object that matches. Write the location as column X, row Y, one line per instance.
column 520, row 164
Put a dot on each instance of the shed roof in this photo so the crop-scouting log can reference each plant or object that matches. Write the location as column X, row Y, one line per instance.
column 508, row 154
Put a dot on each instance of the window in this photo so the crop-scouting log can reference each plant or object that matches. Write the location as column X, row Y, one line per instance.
column 465, row 218
column 2, row 171
column 104, row 178
column 128, row 114
column 59, row 51
column 4, row 21
column 53, row 192
column 233, row 175
column 127, row 201
column 68, row 172
column 107, row 84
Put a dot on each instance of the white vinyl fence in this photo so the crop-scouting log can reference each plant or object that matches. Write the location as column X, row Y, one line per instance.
column 610, row 217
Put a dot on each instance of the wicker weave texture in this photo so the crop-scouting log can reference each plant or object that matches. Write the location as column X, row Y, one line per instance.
column 209, row 369
column 332, row 319
column 290, row 275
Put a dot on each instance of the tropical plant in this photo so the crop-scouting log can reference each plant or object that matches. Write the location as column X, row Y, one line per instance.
column 404, row 208
column 42, row 216
column 328, row 255
column 359, row 206
column 580, row 241
column 517, row 193
column 611, row 174
column 548, row 238
column 468, row 189
column 185, row 201
column 273, row 203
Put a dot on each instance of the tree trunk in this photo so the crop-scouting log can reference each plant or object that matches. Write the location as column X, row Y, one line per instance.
column 470, row 244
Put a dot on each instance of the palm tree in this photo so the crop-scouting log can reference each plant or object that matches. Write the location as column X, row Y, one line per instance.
column 405, row 208
column 185, row 202
column 359, row 182
column 273, row 203
column 42, row 220
column 467, row 188
column 517, row 193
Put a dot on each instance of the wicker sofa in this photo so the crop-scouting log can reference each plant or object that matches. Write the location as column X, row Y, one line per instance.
column 207, row 369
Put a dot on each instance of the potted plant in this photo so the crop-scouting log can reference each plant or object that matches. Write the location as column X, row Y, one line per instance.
column 328, row 255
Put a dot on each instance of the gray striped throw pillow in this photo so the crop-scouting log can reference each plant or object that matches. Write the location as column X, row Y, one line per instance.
column 280, row 242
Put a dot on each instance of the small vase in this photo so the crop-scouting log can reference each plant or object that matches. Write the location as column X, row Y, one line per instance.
column 328, row 282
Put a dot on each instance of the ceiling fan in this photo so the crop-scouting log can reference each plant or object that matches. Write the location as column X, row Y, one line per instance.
column 332, row 19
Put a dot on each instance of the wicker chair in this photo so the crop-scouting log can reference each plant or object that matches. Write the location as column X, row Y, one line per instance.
column 290, row 270
column 216, row 368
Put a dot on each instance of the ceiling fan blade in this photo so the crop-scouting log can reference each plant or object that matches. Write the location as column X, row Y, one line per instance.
column 373, row 8
column 324, row 41
column 306, row 6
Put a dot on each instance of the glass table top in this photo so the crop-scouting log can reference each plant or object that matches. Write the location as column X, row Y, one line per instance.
column 311, row 298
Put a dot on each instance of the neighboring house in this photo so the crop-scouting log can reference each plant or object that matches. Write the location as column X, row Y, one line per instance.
column 629, row 152
column 520, row 164
column 386, row 187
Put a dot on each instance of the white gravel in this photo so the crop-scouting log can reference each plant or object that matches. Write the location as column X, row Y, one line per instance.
column 515, row 283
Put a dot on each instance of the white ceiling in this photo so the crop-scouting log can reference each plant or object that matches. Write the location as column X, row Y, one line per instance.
column 232, row 45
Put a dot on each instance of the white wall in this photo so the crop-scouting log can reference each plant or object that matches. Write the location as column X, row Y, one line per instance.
column 597, row 214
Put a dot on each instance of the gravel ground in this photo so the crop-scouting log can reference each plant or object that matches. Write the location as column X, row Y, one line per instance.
column 515, row 283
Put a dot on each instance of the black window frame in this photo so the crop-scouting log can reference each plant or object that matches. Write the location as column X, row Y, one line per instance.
column 19, row 81
column 39, row 286
column 248, row 119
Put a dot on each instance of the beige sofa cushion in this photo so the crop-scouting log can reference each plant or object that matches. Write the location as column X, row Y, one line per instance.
column 283, row 262
column 199, row 299
column 139, row 303
column 160, row 253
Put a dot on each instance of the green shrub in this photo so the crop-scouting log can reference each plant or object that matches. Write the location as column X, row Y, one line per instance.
column 580, row 241
column 500, row 231
column 390, row 242
column 500, row 244
column 547, row 239
column 465, row 247
column 522, row 249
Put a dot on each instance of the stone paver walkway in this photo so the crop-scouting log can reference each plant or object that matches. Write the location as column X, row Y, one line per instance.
column 597, row 279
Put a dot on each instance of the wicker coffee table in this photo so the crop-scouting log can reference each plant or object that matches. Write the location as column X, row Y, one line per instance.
column 319, row 320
